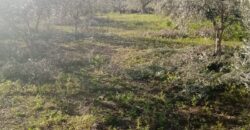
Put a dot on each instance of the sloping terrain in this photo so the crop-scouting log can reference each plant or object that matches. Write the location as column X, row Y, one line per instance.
column 124, row 72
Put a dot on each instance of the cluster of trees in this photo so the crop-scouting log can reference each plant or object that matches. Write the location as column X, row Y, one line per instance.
column 29, row 15
column 221, row 13
column 26, row 16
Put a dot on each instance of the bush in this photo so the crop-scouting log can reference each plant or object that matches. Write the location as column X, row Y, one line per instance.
column 219, row 67
column 30, row 72
column 236, row 32
column 148, row 73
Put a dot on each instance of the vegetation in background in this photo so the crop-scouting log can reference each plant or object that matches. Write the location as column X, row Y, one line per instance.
column 73, row 68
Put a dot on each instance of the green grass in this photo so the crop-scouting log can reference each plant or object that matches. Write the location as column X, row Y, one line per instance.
column 116, row 77
column 141, row 21
column 200, row 24
column 142, row 25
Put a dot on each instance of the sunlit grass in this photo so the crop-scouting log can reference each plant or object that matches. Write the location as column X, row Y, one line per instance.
column 141, row 21
column 199, row 24
column 141, row 25
column 119, row 72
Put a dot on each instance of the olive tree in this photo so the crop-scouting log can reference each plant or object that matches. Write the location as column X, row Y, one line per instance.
column 41, row 10
column 222, row 13
column 144, row 4
column 79, row 12
column 118, row 5
column 16, row 16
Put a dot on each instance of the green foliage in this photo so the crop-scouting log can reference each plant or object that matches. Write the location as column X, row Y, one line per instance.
column 200, row 24
column 236, row 32
column 141, row 21
column 51, row 118
column 98, row 60
column 115, row 78
column 148, row 73
column 82, row 122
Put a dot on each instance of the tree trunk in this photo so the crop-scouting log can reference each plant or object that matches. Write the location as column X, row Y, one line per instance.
column 38, row 23
column 76, row 17
column 76, row 31
column 143, row 9
column 218, row 41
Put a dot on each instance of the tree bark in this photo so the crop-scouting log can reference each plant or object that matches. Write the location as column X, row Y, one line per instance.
column 143, row 9
column 218, row 41
column 76, row 18
column 76, row 31
column 38, row 23
column 144, row 4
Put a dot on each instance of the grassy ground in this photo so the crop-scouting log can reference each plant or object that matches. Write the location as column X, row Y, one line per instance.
column 119, row 75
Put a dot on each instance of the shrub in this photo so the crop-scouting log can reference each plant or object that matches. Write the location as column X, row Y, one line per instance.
column 236, row 32
column 31, row 72
column 152, row 72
